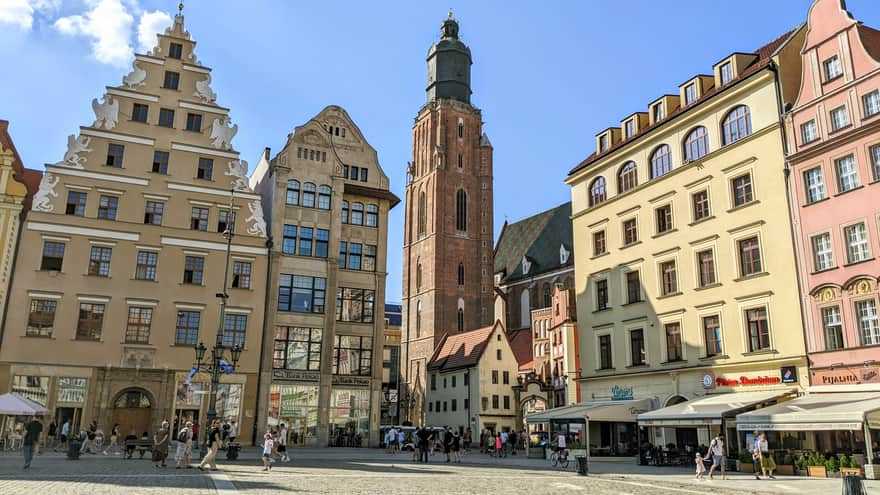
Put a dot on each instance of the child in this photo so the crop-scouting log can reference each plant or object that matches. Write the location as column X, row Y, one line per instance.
column 498, row 445
column 701, row 468
column 268, row 444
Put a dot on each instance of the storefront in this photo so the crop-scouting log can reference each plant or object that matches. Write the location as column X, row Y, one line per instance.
column 349, row 412
column 296, row 406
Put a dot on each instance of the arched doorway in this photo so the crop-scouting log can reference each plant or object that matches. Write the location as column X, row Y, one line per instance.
column 675, row 399
column 132, row 410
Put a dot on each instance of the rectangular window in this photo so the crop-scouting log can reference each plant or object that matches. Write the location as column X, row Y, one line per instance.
column 637, row 346
column 194, row 122
column 505, row 378
column 99, row 261
column 76, row 203
column 234, row 330
column 847, row 173
column 175, row 50
column 115, row 153
column 206, row 169
column 454, row 405
column 226, row 219
column 139, row 112
column 809, row 133
column 726, row 73
column 706, row 262
column 871, row 102
column 301, row 294
column 839, row 118
column 823, row 255
column 153, row 213
column 506, row 402
column 355, row 304
column 814, row 183
column 369, row 263
column 494, row 402
column 433, row 381
column 160, row 162
column 759, row 330
column 749, row 257
column 343, row 254
column 701, row 205
column 137, row 329
column 187, row 329
column 603, row 142
column 41, row 318
column 690, row 93
column 856, row 243
column 875, row 160
column 598, row 243
column 630, row 128
column 241, row 275
column 832, row 68
column 868, row 324
column 146, row 265
column 166, row 117
column 658, row 112
column 712, row 335
column 193, row 270
column 288, row 243
column 673, row 341
column 364, row 175
column 372, row 217
column 664, row 219
column 601, row 295
column 668, row 277
column 297, row 348
column 53, row 256
column 107, row 207
column 305, row 240
column 494, row 377
column 633, row 287
column 355, row 171
column 322, row 241
column 630, row 232
column 833, row 328
column 199, row 219
column 354, row 256
column 353, row 355
column 742, row 190
column 605, row 352
column 172, row 80
column 91, row 320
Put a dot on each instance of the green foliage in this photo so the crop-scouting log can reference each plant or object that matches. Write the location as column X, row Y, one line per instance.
column 816, row 459
column 831, row 464
column 787, row 460
column 800, row 463
column 845, row 462
column 745, row 457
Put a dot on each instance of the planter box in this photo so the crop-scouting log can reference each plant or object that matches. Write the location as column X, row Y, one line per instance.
column 802, row 473
column 851, row 471
column 817, row 471
column 746, row 467
column 785, row 469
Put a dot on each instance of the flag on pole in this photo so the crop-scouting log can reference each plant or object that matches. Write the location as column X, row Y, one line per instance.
column 192, row 374
column 226, row 367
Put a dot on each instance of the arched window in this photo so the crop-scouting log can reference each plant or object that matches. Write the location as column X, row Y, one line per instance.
column 422, row 213
column 597, row 191
column 461, row 210
column 661, row 162
column 324, row 193
column 461, row 274
column 344, row 211
column 696, row 144
column 418, row 275
column 293, row 192
column 627, row 178
column 357, row 213
column 460, row 130
column 418, row 319
column 460, row 320
column 308, row 197
column 737, row 125
column 524, row 309
column 372, row 216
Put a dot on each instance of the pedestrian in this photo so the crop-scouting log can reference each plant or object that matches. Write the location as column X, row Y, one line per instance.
column 225, row 434
column 768, row 465
column 213, row 441
column 756, row 453
column 512, row 436
column 268, row 445
column 401, row 439
column 701, row 468
column 31, row 440
column 233, row 431
column 129, row 443
column 447, row 444
column 282, row 443
column 388, row 439
column 51, row 434
column 161, row 440
column 468, row 438
column 195, row 433
column 184, row 446
column 114, row 439
column 505, row 438
column 65, row 434
column 456, row 448
column 499, row 444
column 414, row 441
column 425, row 436
column 718, row 456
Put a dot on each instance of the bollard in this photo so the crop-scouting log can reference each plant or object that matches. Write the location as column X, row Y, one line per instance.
column 73, row 447
column 582, row 465
column 232, row 450
column 853, row 485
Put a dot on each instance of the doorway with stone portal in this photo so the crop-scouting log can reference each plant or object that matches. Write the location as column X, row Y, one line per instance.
column 132, row 410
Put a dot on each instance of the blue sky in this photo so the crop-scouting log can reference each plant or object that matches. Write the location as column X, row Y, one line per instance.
column 547, row 75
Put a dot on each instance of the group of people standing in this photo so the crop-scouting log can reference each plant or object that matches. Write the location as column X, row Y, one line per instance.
column 500, row 444
column 763, row 460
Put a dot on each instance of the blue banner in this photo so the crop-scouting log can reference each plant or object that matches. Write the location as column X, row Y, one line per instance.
column 226, row 367
column 192, row 374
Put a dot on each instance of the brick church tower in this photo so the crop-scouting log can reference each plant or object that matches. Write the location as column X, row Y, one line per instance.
column 447, row 259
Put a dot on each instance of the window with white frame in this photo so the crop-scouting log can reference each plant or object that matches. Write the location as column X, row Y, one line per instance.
column 629, row 128
column 839, row 118
column 868, row 324
column 833, row 328
column 814, row 183
column 690, row 93
column 823, row 256
column 832, row 68
column 856, row 243
column 875, row 160
column 847, row 173
column 872, row 103
column 809, row 133
column 758, row 328
column 726, row 73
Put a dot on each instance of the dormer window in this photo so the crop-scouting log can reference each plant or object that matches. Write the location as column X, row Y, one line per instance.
column 690, row 93
column 832, row 68
column 603, row 142
column 659, row 114
column 726, row 71
column 175, row 50
column 526, row 265
column 629, row 128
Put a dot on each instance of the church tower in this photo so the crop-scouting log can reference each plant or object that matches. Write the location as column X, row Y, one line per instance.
column 447, row 259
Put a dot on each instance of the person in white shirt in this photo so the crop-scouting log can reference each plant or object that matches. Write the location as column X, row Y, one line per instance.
column 718, row 455
column 282, row 443
column 268, row 445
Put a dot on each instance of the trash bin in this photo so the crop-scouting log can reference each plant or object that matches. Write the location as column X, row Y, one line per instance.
column 853, row 485
column 232, row 450
column 582, row 464
column 73, row 447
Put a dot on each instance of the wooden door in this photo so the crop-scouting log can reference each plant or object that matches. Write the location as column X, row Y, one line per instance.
column 137, row 419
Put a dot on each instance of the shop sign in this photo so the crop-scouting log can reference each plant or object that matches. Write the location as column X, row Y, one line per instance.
column 789, row 374
column 846, row 376
column 356, row 381
column 748, row 381
column 621, row 393
column 302, row 376
column 708, row 380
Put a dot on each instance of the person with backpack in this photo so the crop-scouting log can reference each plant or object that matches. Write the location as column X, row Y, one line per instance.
column 719, row 455
column 425, row 436
column 183, row 456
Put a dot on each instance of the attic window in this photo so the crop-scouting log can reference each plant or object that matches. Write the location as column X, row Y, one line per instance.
column 603, row 142
column 832, row 68
column 690, row 93
column 726, row 71
column 658, row 112
column 175, row 50
column 629, row 128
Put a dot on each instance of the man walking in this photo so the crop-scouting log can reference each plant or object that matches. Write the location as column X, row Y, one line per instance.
column 282, row 443
column 505, row 438
column 756, row 454
column 65, row 434
column 425, row 436
column 213, row 441
column 31, row 438
column 718, row 455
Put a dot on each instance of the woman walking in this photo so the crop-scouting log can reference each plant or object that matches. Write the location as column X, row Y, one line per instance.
column 768, row 465
column 456, row 447
column 161, row 440
column 213, row 441
column 183, row 456
column 114, row 439
column 268, row 445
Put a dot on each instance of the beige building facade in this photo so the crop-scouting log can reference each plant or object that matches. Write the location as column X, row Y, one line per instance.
column 328, row 202
column 122, row 255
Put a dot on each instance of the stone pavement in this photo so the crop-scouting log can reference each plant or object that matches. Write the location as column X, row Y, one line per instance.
column 362, row 471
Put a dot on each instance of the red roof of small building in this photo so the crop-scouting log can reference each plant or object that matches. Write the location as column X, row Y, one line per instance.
column 521, row 344
column 30, row 178
column 461, row 350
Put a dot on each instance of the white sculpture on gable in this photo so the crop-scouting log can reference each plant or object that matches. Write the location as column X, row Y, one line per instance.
column 75, row 146
column 106, row 113
column 192, row 57
column 47, row 188
column 222, row 134
column 259, row 226
column 136, row 77
column 204, row 91
column 526, row 265
column 564, row 254
column 237, row 169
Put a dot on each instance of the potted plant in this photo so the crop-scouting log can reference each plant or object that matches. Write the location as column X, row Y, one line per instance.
column 849, row 467
column 816, row 467
column 744, row 463
column 800, row 464
column 831, row 466
column 786, row 467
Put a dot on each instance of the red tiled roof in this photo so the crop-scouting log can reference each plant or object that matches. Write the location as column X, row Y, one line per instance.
column 521, row 344
column 764, row 54
column 30, row 178
column 870, row 40
column 461, row 350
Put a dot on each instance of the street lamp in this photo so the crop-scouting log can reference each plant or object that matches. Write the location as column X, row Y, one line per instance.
column 217, row 363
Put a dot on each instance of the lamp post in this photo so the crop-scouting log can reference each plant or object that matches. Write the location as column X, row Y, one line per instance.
column 214, row 365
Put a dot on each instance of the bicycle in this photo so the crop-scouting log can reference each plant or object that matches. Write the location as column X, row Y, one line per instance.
column 560, row 458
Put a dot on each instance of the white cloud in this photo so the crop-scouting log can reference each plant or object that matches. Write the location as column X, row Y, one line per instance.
column 108, row 24
column 18, row 12
column 150, row 24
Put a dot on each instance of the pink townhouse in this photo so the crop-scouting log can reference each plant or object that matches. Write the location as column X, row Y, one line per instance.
column 833, row 132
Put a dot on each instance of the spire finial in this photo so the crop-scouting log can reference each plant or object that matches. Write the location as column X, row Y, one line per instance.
column 449, row 15
column 180, row 8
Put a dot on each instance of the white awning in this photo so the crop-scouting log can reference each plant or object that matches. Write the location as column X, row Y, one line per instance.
column 708, row 410
column 815, row 412
column 604, row 410
column 16, row 405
